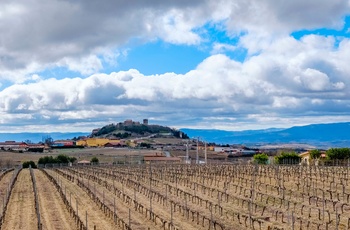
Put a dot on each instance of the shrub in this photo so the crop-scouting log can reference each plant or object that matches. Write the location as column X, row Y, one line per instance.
column 315, row 154
column 26, row 164
column 261, row 158
column 288, row 158
column 60, row 159
column 94, row 160
column 338, row 153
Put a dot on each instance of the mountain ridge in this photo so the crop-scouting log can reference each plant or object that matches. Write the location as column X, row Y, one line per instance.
column 320, row 135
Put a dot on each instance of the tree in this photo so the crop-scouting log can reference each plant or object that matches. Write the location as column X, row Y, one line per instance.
column 145, row 145
column 288, row 158
column 63, row 159
column 72, row 159
column 338, row 153
column 60, row 159
column 315, row 154
column 47, row 140
column 47, row 160
column 94, row 160
column 261, row 158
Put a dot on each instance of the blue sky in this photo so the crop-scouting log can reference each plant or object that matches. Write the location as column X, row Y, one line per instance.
column 231, row 65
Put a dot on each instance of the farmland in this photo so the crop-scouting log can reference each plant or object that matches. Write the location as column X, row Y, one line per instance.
column 166, row 196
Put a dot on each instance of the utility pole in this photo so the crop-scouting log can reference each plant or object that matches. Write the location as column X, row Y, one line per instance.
column 187, row 152
column 205, row 152
column 197, row 156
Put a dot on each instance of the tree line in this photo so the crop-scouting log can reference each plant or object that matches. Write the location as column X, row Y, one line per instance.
column 294, row 158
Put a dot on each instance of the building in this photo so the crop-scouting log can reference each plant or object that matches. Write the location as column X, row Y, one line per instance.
column 39, row 148
column 21, row 146
column 306, row 159
column 145, row 121
column 13, row 146
column 115, row 144
column 128, row 122
column 93, row 142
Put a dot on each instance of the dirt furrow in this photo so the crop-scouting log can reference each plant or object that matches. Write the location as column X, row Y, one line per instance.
column 4, row 183
column 21, row 207
column 85, row 205
column 53, row 212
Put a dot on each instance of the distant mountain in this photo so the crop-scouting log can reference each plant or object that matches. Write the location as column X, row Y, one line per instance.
column 320, row 135
column 37, row 137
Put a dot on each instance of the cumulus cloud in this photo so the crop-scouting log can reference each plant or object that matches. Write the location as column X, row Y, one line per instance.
column 283, row 80
column 281, row 75
column 74, row 34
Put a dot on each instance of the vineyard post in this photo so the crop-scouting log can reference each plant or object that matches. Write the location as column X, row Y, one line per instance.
column 129, row 219
column 86, row 220
column 292, row 220
column 114, row 210
column 323, row 204
column 76, row 202
column 70, row 198
column 150, row 186
column 211, row 215
column 103, row 196
column 166, row 194
column 252, row 194
column 171, row 214
column 336, row 219
column 219, row 199
column 134, row 193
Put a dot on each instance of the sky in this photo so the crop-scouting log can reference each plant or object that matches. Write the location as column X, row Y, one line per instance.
column 76, row 65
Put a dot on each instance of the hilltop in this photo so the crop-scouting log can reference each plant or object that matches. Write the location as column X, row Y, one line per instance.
column 132, row 129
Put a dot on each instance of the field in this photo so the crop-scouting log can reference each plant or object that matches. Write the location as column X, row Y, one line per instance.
column 217, row 196
column 105, row 155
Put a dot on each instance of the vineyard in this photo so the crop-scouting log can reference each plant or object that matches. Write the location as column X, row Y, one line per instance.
column 217, row 196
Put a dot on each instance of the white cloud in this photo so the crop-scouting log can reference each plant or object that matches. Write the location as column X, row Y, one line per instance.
column 281, row 75
column 285, row 79
column 78, row 33
column 222, row 48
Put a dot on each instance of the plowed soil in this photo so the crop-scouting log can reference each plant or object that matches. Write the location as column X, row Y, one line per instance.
column 86, row 206
column 21, row 207
column 4, row 184
column 53, row 212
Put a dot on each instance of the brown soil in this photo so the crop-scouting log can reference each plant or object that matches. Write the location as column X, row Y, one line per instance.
column 53, row 212
column 86, row 206
column 21, row 207
column 4, row 184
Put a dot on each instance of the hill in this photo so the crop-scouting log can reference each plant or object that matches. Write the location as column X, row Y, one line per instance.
column 136, row 130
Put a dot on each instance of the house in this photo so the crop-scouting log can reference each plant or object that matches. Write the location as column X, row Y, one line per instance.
column 115, row 144
column 306, row 159
column 84, row 162
column 13, row 146
column 93, row 142
column 35, row 148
